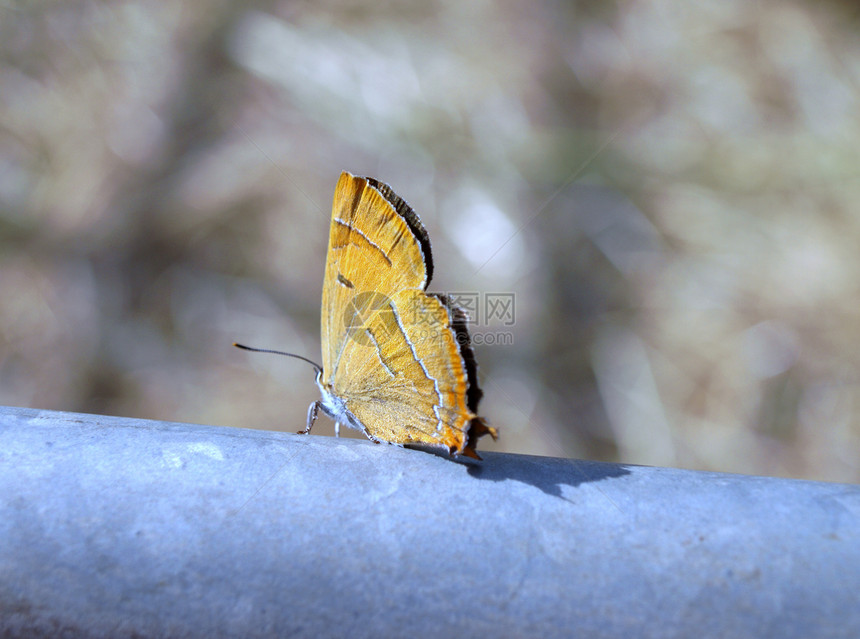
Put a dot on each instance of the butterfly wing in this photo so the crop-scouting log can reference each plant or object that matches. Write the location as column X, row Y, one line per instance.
column 373, row 252
column 397, row 357
column 403, row 376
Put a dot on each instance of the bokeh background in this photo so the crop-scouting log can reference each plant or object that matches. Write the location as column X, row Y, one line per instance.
column 669, row 189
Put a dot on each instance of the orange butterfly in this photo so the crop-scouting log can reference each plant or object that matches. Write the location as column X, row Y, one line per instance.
column 397, row 364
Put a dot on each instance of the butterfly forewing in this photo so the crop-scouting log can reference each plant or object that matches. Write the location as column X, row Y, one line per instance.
column 372, row 254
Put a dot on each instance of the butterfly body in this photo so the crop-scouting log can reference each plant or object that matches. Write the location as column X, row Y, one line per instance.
column 337, row 410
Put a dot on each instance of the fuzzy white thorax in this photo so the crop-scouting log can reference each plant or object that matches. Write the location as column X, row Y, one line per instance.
column 335, row 407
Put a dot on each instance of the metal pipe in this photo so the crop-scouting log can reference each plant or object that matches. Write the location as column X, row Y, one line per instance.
column 116, row 527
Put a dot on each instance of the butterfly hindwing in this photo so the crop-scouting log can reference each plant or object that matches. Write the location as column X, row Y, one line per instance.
column 403, row 377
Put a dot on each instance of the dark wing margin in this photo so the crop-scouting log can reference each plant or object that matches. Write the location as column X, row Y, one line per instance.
column 405, row 211
column 477, row 427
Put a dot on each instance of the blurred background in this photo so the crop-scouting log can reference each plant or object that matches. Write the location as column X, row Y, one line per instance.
column 668, row 190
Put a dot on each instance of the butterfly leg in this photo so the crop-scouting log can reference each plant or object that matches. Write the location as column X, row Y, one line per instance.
column 337, row 429
column 313, row 411
column 372, row 438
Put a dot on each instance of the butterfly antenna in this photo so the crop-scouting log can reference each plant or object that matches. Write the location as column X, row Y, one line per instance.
column 316, row 366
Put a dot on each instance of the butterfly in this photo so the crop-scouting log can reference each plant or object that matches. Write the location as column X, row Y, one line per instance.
column 397, row 361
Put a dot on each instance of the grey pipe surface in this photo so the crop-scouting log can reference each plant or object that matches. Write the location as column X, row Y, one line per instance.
column 113, row 527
